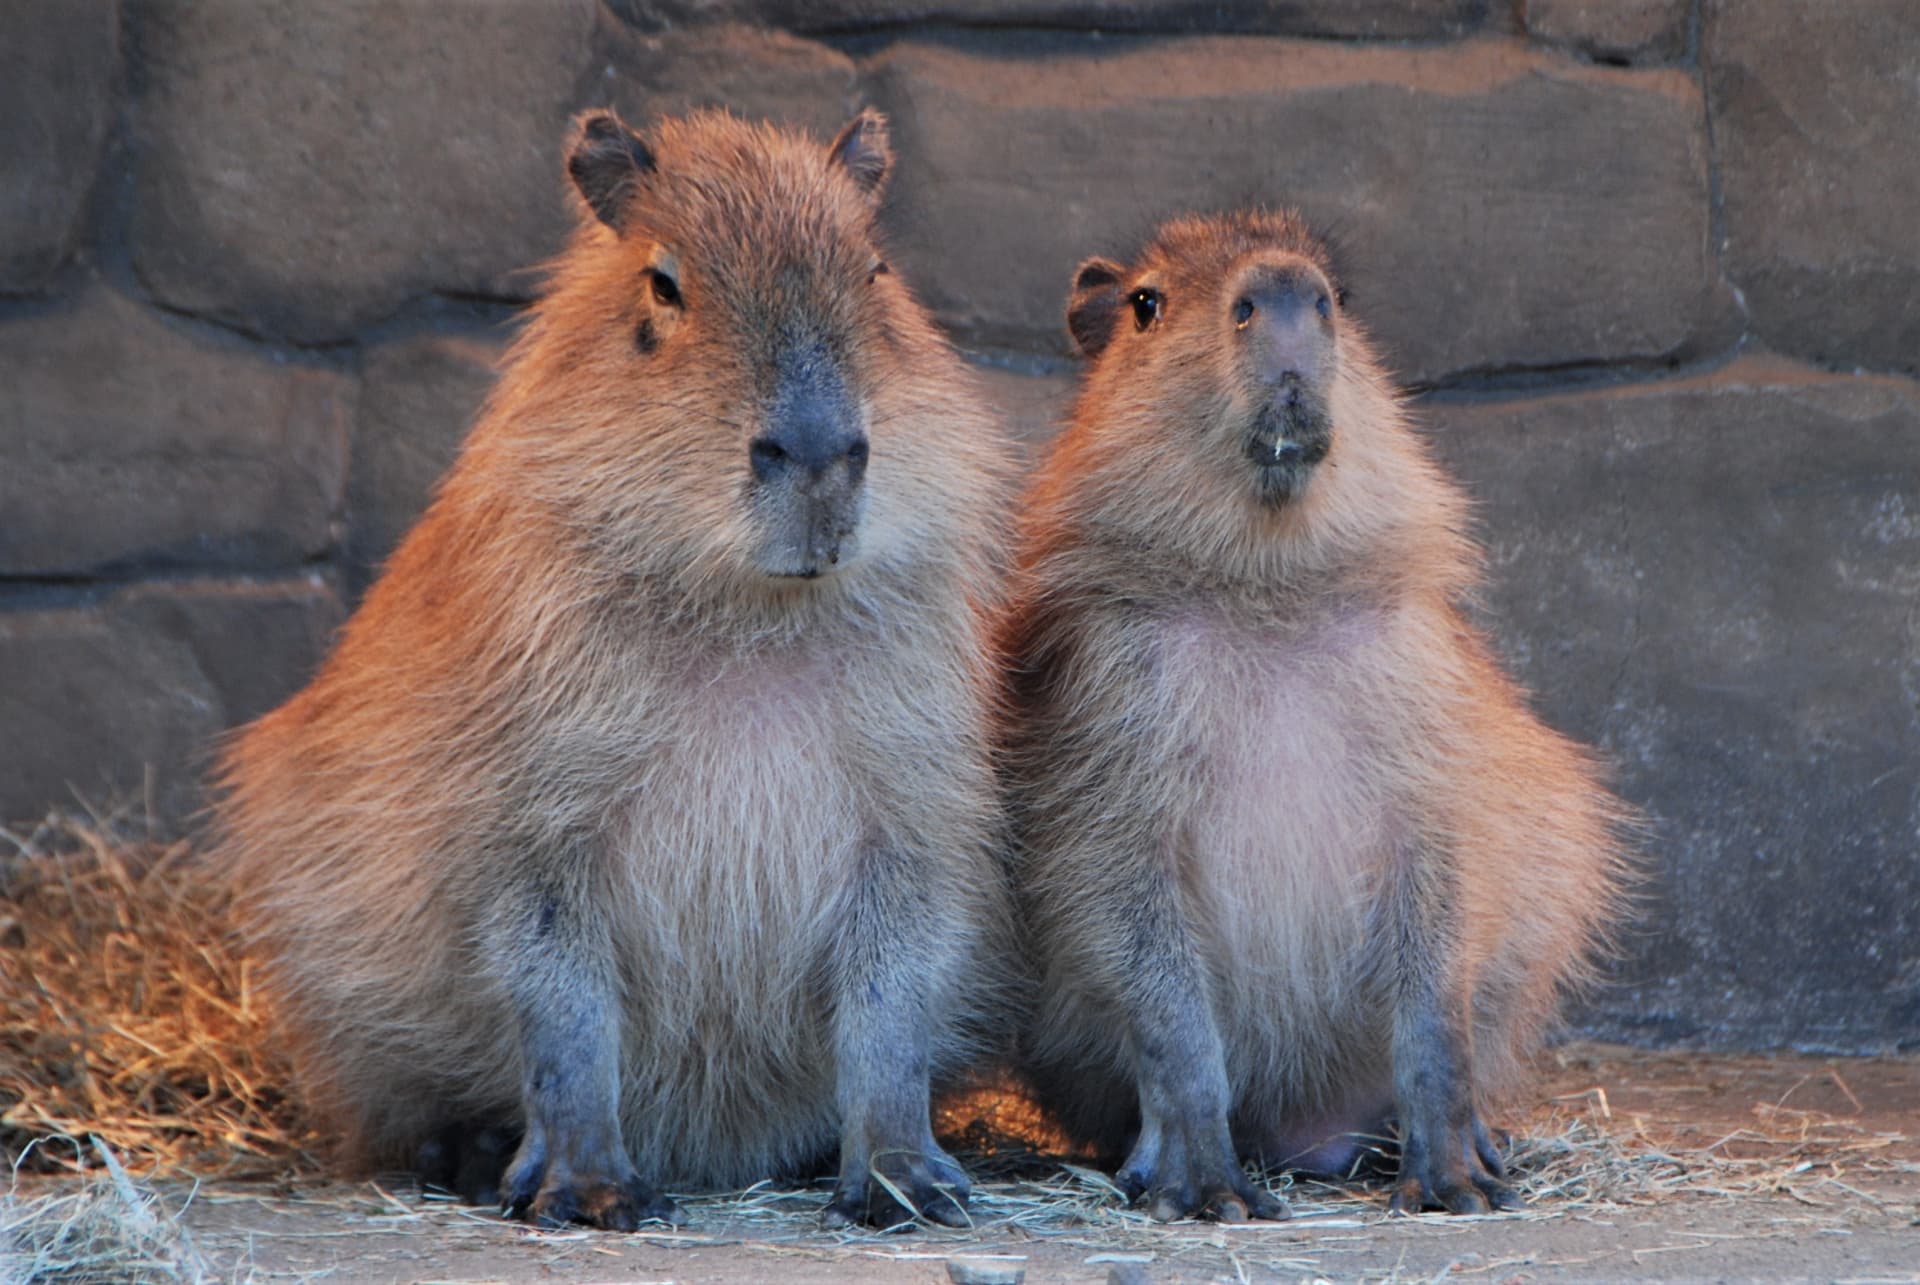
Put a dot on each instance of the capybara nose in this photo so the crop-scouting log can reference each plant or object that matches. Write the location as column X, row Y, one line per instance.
column 1284, row 314
column 811, row 427
column 807, row 452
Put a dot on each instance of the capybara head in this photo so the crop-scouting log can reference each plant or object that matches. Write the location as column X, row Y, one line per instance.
column 1231, row 327
column 736, row 351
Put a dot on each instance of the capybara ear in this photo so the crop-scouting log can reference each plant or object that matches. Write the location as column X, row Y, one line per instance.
column 864, row 148
column 1095, row 304
column 607, row 162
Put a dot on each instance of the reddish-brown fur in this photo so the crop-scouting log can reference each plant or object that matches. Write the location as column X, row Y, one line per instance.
column 590, row 735
column 1295, row 854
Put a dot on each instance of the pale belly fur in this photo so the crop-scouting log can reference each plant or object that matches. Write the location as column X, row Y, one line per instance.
column 736, row 848
column 1286, row 845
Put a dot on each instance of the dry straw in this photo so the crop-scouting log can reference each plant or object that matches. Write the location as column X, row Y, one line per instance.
column 102, row 1228
column 126, row 1016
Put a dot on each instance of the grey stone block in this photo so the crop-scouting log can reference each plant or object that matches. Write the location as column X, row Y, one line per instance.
column 1815, row 110
column 1374, row 19
column 418, row 398
column 131, row 439
column 1628, row 30
column 1501, row 207
column 57, row 67
column 121, row 698
column 303, row 170
column 753, row 73
column 1718, row 580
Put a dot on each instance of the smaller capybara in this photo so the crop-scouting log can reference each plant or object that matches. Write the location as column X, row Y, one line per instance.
column 641, row 831
column 1298, row 864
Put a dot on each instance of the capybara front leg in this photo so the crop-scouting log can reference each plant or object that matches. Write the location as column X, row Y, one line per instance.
column 895, row 958
column 1447, row 1157
column 1184, row 1163
column 572, row 1166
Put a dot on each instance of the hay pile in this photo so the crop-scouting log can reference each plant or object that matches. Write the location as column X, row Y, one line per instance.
column 125, row 1016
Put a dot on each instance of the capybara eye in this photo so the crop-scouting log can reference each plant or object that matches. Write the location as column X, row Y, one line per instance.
column 1146, row 307
column 857, row 453
column 1243, row 313
column 1324, row 306
column 665, row 289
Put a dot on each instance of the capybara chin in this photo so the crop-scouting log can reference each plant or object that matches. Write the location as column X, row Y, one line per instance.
column 641, row 830
column 1297, row 862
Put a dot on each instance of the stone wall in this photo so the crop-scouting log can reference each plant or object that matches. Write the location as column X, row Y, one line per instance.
column 1653, row 266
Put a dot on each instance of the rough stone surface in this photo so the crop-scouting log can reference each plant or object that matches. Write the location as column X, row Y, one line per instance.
column 1376, row 19
column 1627, row 30
column 303, row 169
column 98, row 694
column 1718, row 579
column 1501, row 207
column 56, row 98
column 755, row 74
column 1814, row 120
column 418, row 398
column 127, row 438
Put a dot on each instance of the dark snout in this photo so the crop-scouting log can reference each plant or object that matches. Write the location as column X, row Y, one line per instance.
column 1292, row 428
column 813, row 434
column 808, row 463
column 1283, row 317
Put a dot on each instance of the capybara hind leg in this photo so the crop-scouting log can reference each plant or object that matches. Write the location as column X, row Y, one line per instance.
column 469, row 1159
column 571, row 1166
column 894, row 952
column 1447, row 1157
column 1184, row 1163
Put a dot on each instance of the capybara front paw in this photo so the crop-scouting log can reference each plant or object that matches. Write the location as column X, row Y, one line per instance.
column 935, row 1189
column 612, row 1205
column 548, row 1197
column 1185, row 1167
column 1463, row 1175
column 1221, row 1192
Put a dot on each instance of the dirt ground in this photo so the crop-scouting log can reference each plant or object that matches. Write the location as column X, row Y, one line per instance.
column 1663, row 1167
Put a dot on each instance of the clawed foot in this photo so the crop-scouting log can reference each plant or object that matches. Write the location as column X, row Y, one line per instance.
column 1175, row 1178
column 468, row 1159
column 899, row 1187
column 1463, row 1175
column 552, row 1195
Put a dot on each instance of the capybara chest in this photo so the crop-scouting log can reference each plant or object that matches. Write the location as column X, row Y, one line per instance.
column 1288, row 826
column 741, row 826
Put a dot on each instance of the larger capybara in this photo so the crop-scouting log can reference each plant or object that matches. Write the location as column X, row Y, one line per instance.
column 1298, row 862
column 641, row 829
